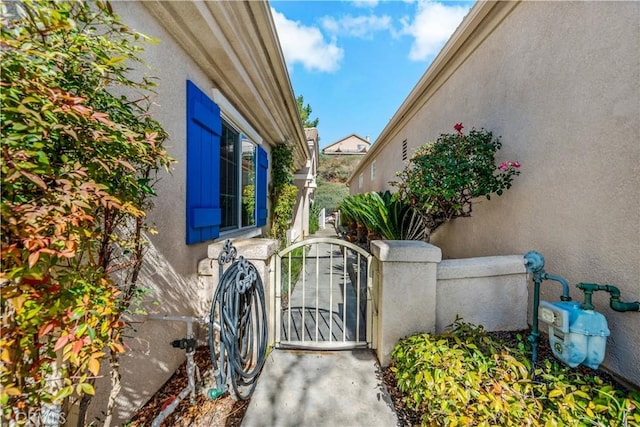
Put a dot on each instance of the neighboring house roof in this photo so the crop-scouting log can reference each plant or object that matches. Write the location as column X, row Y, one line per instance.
column 245, row 62
column 352, row 144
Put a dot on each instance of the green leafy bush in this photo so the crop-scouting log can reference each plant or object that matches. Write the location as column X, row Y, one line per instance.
column 384, row 214
column 314, row 218
column 329, row 195
column 467, row 377
column 78, row 168
column 283, row 193
column 282, row 212
column 444, row 177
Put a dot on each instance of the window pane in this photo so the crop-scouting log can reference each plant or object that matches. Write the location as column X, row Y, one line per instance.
column 248, row 182
column 228, row 178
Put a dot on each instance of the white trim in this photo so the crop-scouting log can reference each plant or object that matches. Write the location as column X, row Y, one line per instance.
column 303, row 176
column 241, row 233
column 232, row 115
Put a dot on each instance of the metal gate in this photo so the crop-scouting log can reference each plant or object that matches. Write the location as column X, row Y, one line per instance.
column 323, row 296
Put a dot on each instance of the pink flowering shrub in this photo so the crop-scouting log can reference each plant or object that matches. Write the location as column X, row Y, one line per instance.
column 444, row 178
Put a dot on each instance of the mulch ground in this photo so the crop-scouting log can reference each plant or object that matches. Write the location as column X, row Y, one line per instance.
column 226, row 411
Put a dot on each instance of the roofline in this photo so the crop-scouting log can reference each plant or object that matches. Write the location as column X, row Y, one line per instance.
column 236, row 45
column 348, row 136
column 483, row 18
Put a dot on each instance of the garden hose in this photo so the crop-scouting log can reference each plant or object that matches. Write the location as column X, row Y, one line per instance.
column 238, row 307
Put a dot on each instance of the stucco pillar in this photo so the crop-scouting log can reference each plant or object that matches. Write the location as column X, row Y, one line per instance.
column 406, row 288
column 258, row 252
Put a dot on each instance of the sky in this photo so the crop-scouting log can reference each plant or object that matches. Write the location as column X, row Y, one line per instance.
column 355, row 62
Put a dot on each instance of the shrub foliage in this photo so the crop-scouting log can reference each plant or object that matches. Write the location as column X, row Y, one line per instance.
column 384, row 214
column 466, row 377
column 283, row 193
column 78, row 167
column 443, row 178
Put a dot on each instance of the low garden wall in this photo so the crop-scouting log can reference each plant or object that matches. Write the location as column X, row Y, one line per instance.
column 414, row 289
column 418, row 292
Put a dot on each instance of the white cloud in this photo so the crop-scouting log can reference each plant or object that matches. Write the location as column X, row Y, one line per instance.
column 365, row 3
column 306, row 45
column 431, row 28
column 356, row 26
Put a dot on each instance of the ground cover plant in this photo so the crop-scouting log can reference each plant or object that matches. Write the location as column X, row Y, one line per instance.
column 470, row 377
column 384, row 214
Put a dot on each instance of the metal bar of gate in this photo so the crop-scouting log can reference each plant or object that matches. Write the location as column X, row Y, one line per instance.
column 299, row 332
column 344, row 296
column 317, row 288
column 289, row 298
column 303, row 324
column 331, row 295
column 357, row 289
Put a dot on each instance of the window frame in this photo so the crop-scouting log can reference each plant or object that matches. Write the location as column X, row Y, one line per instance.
column 225, row 230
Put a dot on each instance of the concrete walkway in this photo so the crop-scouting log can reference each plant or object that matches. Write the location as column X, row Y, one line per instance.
column 320, row 388
column 306, row 389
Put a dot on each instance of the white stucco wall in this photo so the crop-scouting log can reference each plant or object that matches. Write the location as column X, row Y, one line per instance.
column 490, row 291
column 560, row 82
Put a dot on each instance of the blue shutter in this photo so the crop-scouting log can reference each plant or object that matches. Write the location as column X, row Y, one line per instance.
column 204, row 127
column 261, row 188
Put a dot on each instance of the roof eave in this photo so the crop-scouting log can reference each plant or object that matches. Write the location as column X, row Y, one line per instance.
column 245, row 62
column 478, row 24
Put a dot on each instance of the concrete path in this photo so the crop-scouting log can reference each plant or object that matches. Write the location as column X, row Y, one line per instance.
column 307, row 389
column 319, row 388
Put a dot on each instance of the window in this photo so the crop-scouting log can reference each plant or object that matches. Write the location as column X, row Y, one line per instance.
column 404, row 150
column 237, row 179
column 360, row 181
column 373, row 170
column 226, row 173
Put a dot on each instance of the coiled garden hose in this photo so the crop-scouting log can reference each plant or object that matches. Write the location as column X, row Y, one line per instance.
column 238, row 307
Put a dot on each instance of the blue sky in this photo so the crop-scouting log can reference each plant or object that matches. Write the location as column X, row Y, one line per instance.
column 356, row 61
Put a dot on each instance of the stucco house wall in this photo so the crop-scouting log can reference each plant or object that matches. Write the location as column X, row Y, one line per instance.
column 560, row 82
column 305, row 180
column 352, row 144
column 227, row 49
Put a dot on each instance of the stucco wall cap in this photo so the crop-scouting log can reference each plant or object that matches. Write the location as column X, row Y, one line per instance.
column 481, row 267
column 405, row 251
column 257, row 249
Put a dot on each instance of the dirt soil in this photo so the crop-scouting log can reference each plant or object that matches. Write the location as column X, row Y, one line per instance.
column 226, row 411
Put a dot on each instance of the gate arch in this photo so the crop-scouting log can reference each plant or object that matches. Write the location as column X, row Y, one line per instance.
column 323, row 295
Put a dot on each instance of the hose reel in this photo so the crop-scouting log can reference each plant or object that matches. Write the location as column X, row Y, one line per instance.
column 238, row 308
column 237, row 332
